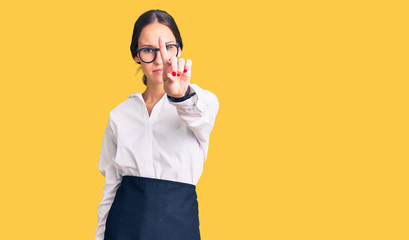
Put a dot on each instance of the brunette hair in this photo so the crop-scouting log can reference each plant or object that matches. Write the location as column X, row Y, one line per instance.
column 150, row 17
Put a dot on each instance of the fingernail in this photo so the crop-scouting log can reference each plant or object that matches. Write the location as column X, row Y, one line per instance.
column 173, row 73
column 185, row 70
column 178, row 74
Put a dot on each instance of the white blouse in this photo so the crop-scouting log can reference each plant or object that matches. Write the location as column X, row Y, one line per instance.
column 171, row 144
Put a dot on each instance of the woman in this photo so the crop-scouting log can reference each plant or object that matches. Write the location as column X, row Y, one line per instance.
column 155, row 143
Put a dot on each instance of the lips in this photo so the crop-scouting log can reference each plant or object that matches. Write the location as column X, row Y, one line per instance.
column 158, row 70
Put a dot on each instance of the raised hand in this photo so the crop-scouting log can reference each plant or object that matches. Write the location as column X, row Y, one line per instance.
column 176, row 72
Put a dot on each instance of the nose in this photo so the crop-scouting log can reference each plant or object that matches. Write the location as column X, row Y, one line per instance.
column 158, row 59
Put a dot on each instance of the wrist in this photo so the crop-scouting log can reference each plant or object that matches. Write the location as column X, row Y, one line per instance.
column 188, row 91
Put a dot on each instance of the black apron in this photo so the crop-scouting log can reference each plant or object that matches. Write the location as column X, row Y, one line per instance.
column 153, row 209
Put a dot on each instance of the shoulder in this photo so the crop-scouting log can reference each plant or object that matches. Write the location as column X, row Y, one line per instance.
column 205, row 97
column 123, row 107
column 204, row 92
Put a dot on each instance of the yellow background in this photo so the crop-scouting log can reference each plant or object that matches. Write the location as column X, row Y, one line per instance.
column 311, row 139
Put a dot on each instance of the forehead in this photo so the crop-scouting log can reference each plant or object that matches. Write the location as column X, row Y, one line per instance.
column 151, row 32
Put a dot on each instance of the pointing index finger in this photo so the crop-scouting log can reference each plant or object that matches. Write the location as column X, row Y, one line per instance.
column 162, row 49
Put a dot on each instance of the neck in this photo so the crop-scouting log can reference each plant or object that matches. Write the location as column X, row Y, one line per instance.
column 153, row 92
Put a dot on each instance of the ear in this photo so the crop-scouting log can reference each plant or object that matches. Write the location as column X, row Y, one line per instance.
column 137, row 59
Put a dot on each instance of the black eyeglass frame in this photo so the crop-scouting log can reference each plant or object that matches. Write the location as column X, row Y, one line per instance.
column 138, row 51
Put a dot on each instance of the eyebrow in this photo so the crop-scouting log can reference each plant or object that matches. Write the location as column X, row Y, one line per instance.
column 152, row 45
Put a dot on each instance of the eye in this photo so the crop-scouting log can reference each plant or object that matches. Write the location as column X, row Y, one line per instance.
column 168, row 47
column 147, row 50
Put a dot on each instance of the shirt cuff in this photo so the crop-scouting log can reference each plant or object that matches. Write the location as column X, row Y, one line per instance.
column 181, row 99
column 195, row 105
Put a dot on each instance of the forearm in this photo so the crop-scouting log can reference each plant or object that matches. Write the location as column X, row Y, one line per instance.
column 199, row 112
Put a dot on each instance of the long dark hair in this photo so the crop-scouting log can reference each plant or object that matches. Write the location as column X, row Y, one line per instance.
column 150, row 17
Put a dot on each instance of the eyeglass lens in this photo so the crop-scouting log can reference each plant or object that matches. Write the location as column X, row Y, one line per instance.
column 149, row 54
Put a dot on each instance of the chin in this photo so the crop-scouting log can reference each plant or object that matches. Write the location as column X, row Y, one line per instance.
column 156, row 80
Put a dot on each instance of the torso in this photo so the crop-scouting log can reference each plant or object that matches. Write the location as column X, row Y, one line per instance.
column 149, row 105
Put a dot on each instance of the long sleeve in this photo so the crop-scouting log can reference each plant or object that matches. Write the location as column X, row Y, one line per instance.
column 113, row 179
column 199, row 113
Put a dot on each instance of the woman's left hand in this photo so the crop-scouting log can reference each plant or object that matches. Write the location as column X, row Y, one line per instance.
column 176, row 73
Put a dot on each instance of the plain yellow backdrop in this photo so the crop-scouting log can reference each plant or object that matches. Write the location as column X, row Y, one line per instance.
column 311, row 139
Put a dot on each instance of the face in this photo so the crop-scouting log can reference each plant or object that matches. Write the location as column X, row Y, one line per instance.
column 149, row 38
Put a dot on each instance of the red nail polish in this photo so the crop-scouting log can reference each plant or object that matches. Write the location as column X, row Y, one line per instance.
column 178, row 74
column 185, row 70
column 173, row 73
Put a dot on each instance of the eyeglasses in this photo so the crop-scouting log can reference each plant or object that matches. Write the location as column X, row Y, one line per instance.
column 148, row 55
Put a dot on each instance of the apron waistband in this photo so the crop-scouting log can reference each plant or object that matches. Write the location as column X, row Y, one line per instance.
column 157, row 181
